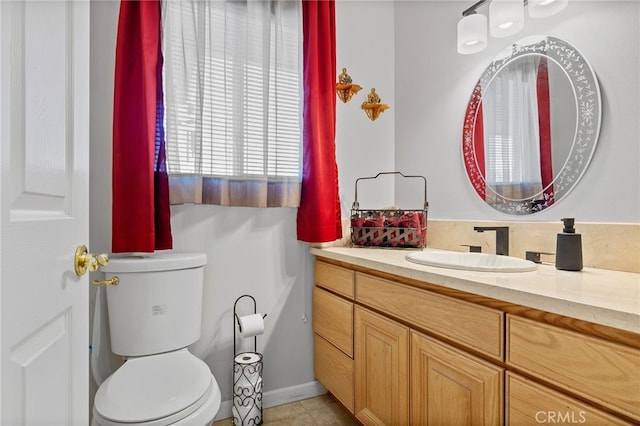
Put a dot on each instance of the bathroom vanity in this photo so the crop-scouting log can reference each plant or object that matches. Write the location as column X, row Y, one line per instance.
column 399, row 343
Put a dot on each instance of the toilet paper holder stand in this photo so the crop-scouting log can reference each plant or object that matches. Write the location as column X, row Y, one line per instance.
column 237, row 321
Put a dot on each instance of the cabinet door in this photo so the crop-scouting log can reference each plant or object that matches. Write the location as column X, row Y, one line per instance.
column 450, row 387
column 381, row 366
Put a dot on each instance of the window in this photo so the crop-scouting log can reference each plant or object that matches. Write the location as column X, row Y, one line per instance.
column 232, row 83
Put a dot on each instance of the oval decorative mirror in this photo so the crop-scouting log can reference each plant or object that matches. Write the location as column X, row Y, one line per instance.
column 531, row 125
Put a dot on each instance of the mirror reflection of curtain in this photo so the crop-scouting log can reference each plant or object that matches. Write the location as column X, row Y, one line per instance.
column 478, row 146
column 511, row 122
column 544, row 124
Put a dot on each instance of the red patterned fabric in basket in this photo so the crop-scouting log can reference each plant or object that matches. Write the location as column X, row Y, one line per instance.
column 408, row 229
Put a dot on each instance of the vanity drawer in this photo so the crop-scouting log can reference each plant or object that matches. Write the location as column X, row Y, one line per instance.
column 473, row 326
column 530, row 403
column 335, row 278
column 601, row 371
column 333, row 319
column 334, row 370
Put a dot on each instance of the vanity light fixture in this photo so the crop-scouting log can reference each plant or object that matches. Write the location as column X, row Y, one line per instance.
column 506, row 17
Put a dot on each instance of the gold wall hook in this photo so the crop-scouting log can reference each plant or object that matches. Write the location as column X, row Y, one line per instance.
column 84, row 260
column 110, row 281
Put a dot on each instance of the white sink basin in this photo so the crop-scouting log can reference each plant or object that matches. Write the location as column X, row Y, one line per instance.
column 471, row 261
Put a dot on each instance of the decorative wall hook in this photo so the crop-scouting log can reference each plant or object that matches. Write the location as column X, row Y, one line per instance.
column 345, row 87
column 373, row 107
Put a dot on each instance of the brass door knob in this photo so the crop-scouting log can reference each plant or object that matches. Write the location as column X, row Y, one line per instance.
column 84, row 260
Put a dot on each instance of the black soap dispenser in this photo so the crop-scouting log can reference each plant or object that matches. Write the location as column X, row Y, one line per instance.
column 569, row 248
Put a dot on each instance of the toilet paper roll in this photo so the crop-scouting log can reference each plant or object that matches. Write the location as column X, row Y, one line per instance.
column 247, row 389
column 247, row 358
column 247, row 372
column 251, row 325
column 247, row 379
column 247, row 415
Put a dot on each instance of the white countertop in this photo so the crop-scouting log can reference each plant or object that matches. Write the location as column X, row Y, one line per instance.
column 600, row 296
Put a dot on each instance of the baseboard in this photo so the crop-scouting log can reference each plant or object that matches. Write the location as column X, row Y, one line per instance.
column 278, row 397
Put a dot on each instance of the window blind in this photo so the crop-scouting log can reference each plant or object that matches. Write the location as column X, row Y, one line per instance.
column 233, row 89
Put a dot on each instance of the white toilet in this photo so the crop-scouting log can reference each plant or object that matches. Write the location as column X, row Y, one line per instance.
column 154, row 314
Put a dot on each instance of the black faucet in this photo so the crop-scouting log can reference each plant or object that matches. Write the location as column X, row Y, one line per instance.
column 502, row 237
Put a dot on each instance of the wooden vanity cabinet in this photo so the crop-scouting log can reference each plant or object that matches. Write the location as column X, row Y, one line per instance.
column 446, row 386
column 397, row 353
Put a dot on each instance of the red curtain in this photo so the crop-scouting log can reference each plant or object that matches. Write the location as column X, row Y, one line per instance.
column 319, row 212
column 141, row 215
column 544, row 122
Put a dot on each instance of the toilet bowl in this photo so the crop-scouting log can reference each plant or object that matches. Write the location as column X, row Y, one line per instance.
column 154, row 314
column 175, row 388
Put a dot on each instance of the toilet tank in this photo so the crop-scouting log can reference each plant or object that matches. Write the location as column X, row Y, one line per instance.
column 157, row 305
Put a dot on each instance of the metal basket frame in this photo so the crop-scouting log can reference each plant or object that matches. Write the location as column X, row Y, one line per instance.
column 388, row 235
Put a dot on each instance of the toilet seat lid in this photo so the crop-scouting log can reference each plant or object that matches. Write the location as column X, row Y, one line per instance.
column 153, row 387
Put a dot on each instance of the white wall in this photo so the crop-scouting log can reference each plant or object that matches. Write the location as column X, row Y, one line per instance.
column 406, row 50
column 255, row 251
column 104, row 15
column 365, row 46
column 434, row 82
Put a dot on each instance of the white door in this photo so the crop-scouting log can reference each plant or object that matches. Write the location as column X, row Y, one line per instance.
column 44, row 211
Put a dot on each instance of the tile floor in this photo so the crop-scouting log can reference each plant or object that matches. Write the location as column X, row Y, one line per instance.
column 320, row 410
